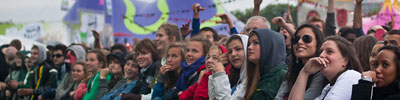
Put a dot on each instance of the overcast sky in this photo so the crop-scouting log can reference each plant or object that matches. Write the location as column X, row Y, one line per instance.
column 28, row 11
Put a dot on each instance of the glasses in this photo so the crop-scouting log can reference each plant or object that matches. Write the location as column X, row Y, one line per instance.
column 305, row 38
column 390, row 42
column 58, row 55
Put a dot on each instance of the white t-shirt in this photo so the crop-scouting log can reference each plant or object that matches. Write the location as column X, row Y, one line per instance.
column 343, row 87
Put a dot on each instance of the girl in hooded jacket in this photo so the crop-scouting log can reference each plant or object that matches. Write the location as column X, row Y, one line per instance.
column 266, row 66
column 236, row 57
column 17, row 74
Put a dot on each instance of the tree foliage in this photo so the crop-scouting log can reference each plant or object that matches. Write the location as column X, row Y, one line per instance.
column 268, row 12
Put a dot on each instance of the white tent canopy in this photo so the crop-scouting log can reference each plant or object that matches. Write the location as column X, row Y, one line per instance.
column 26, row 43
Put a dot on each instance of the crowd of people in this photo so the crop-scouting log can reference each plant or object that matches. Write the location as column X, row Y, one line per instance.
column 296, row 62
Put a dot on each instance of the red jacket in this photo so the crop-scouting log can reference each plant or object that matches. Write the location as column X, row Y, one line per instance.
column 199, row 91
column 80, row 91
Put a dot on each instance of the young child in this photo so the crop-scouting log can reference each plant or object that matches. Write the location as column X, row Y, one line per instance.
column 199, row 90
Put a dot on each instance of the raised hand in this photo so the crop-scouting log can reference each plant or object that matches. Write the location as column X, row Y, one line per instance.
column 196, row 10
column 96, row 34
column 257, row 2
column 225, row 19
column 279, row 21
column 359, row 1
column 185, row 29
column 256, row 10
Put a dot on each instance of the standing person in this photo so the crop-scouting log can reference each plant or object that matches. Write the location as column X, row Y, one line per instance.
column 166, row 34
column 95, row 62
column 148, row 60
column 118, row 48
column 73, row 53
column 237, row 51
column 199, row 90
column 392, row 38
column 41, row 78
column 17, row 75
column 78, row 73
column 208, row 32
column 305, row 44
column 266, row 66
column 58, row 54
column 375, row 52
column 116, row 62
column 60, row 68
column 339, row 63
column 171, row 70
column 364, row 46
column 385, row 74
column 286, row 28
column 195, row 58
column 131, row 73
column 14, row 44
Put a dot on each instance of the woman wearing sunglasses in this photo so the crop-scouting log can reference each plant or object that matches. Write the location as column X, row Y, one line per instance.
column 339, row 64
column 305, row 42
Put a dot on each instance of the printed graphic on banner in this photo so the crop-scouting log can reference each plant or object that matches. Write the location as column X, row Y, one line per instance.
column 90, row 21
column 31, row 31
column 140, row 19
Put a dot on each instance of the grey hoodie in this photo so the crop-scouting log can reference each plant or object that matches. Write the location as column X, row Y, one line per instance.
column 42, row 54
column 79, row 51
column 272, row 49
column 217, row 87
column 67, row 84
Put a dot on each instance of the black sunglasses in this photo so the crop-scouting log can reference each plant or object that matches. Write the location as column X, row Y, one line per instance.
column 57, row 55
column 305, row 38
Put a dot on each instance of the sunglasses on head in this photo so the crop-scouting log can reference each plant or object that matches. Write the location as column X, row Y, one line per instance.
column 305, row 38
column 57, row 55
